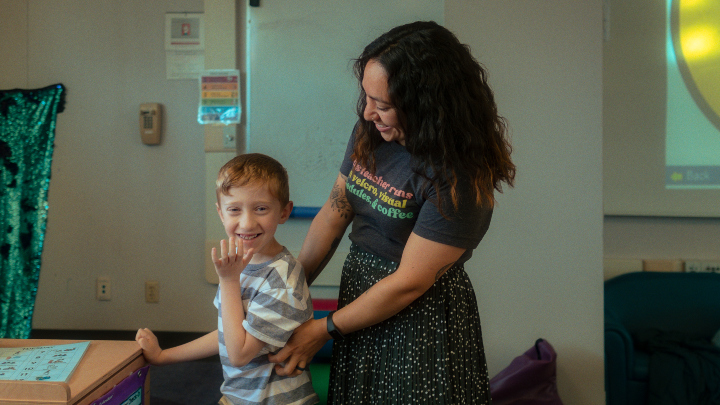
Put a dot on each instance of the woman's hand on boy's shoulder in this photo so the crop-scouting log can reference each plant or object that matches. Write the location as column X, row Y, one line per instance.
column 232, row 259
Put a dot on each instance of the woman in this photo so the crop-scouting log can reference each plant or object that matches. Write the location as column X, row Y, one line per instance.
column 417, row 183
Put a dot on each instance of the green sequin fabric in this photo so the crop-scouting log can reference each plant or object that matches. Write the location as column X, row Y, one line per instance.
column 429, row 353
column 27, row 134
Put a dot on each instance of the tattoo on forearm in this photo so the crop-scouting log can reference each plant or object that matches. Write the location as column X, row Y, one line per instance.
column 325, row 260
column 339, row 202
column 442, row 271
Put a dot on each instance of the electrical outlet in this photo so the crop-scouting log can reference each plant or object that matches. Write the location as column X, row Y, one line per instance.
column 103, row 289
column 152, row 291
column 702, row 266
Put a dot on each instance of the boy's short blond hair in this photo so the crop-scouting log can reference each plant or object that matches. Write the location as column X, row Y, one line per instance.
column 254, row 168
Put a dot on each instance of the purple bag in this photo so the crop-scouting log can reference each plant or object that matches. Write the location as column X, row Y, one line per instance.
column 130, row 391
column 530, row 379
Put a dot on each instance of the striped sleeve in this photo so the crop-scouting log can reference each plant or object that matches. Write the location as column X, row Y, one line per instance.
column 278, row 306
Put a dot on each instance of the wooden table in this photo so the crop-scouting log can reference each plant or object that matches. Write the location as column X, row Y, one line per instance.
column 105, row 364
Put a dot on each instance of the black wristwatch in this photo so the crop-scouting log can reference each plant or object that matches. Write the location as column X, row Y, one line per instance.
column 336, row 334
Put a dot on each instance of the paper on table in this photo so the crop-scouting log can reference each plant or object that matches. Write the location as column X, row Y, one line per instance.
column 41, row 363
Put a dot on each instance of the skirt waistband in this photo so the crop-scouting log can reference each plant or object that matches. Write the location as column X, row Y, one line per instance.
column 370, row 259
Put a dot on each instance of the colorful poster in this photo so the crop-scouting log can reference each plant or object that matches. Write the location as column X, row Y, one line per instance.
column 219, row 97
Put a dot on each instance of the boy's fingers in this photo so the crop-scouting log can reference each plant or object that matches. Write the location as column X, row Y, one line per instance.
column 141, row 333
column 239, row 248
column 232, row 247
column 223, row 249
column 213, row 254
column 248, row 255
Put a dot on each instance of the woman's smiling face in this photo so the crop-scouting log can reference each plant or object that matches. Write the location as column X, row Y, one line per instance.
column 379, row 109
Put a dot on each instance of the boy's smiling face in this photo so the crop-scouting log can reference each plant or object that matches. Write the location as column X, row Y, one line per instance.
column 251, row 214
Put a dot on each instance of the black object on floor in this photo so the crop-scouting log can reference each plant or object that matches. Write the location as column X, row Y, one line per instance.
column 190, row 383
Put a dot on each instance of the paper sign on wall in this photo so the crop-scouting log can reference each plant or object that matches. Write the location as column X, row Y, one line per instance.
column 184, row 45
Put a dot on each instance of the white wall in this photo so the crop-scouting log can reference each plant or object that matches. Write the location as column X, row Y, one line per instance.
column 538, row 273
column 663, row 238
column 118, row 208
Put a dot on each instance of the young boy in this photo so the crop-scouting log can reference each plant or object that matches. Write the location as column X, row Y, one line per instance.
column 262, row 296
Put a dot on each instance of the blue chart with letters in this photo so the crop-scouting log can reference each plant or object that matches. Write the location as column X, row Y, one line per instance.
column 42, row 363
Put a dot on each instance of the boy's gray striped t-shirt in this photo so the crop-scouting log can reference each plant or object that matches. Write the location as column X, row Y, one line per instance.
column 276, row 301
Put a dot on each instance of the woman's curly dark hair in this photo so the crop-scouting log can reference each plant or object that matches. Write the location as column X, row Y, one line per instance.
column 445, row 106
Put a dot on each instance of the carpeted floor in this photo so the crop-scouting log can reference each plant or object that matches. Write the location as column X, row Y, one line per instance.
column 191, row 383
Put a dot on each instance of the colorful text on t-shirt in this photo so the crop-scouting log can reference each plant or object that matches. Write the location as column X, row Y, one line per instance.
column 381, row 195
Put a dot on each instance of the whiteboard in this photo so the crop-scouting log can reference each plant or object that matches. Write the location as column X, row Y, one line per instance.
column 301, row 92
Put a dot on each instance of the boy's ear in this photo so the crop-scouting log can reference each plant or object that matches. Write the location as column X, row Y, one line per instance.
column 217, row 206
column 285, row 214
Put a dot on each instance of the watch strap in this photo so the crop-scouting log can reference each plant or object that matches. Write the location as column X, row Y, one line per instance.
column 336, row 334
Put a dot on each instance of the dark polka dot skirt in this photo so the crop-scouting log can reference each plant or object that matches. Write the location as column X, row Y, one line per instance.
column 429, row 353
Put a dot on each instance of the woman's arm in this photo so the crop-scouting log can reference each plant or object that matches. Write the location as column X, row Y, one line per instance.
column 423, row 263
column 326, row 231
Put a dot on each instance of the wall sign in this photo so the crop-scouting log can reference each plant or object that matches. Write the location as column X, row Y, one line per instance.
column 184, row 45
column 219, row 97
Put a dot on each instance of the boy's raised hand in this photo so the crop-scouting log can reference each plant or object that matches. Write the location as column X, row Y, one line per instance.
column 232, row 260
